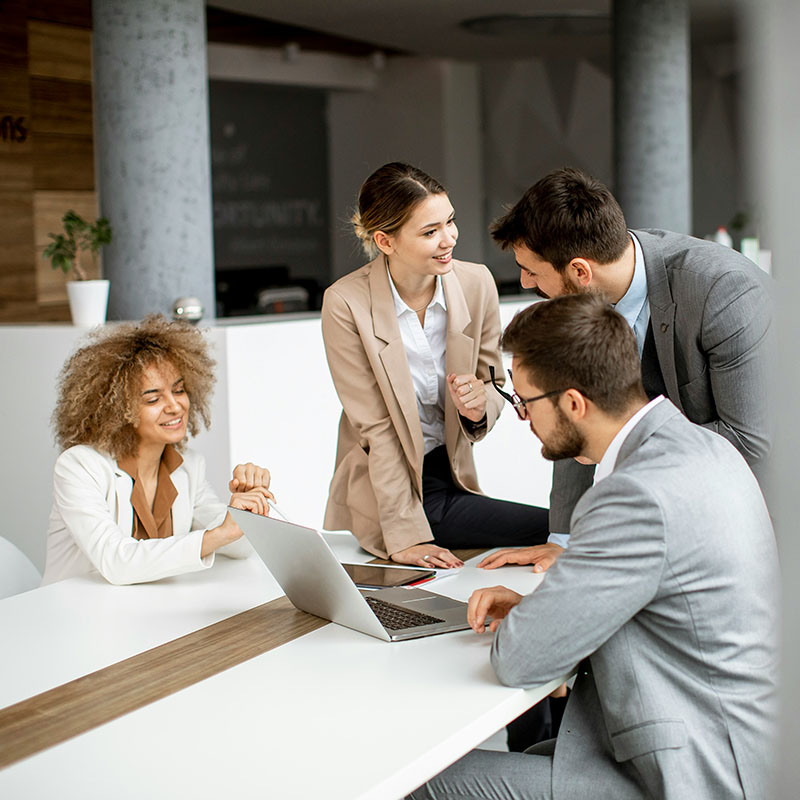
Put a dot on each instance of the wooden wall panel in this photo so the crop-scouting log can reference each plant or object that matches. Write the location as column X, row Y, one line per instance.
column 61, row 107
column 59, row 51
column 63, row 162
column 45, row 81
column 13, row 35
column 67, row 12
column 17, row 280
column 48, row 209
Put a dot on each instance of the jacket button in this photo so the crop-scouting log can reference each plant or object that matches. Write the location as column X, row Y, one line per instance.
column 664, row 327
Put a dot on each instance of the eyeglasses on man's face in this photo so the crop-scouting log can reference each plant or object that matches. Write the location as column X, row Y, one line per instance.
column 520, row 403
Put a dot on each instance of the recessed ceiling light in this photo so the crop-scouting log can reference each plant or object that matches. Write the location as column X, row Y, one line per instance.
column 526, row 26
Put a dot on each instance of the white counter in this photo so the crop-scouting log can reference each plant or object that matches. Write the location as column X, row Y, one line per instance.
column 274, row 404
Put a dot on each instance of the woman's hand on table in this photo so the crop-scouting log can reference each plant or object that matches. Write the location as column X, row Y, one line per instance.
column 217, row 537
column 427, row 555
column 468, row 395
column 248, row 476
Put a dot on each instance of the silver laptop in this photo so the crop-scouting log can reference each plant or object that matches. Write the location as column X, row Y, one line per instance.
column 314, row 580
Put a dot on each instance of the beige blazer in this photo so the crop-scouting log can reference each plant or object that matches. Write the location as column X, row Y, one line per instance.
column 376, row 491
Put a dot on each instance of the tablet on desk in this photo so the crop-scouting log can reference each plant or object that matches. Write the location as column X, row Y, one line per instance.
column 378, row 576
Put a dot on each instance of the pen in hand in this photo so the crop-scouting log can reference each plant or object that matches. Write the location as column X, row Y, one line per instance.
column 280, row 513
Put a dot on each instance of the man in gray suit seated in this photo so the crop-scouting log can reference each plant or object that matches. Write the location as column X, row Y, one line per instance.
column 701, row 314
column 665, row 602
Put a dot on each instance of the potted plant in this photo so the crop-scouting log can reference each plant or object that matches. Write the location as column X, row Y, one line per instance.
column 88, row 299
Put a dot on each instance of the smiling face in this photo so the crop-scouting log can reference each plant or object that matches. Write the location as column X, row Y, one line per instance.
column 163, row 406
column 559, row 436
column 424, row 244
column 541, row 276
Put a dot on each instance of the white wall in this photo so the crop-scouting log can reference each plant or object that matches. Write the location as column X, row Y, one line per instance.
column 423, row 111
column 275, row 404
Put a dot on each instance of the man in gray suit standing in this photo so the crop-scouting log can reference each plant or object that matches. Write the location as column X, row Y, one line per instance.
column 701, row 314
column 666, row 601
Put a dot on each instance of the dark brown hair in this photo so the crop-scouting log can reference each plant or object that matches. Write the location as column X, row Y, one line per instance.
column 99, row 387
column 388, row 198
column 565, row 215
column 578, row 342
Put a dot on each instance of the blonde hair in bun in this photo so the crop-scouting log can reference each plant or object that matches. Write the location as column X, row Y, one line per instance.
column 364, row 236
column 387, row 199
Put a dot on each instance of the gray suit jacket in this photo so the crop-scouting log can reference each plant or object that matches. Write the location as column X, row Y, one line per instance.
column 711, row 313
column 668, row 599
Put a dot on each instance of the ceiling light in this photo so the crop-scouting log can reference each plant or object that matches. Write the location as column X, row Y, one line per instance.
column 526, row 26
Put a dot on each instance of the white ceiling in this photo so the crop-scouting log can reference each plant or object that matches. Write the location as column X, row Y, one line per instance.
column 432, row 27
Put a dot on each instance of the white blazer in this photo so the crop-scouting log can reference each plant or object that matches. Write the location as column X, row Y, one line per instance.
column 92, row 518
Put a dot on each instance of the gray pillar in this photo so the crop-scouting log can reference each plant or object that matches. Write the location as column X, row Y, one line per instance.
column 652, row 113
column 775, row 116
column 152, row 145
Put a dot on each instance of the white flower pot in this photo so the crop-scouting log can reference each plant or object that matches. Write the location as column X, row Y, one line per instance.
column 88, row 302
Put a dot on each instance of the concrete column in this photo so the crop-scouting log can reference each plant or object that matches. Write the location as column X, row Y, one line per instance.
column 152, row 145
column 772, row 28
column 652, row 113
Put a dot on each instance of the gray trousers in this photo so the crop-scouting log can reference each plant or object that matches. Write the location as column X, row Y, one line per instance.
column 492, row 775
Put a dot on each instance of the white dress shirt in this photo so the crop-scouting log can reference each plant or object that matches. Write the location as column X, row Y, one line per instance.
column 425, row 350
column 609, row 459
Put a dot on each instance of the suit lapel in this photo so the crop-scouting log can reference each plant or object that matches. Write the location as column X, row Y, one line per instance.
column 662, row 312
column 646, row 426
column 181, row 511
column 395, row 362
column 123, row 488
column 459, row 349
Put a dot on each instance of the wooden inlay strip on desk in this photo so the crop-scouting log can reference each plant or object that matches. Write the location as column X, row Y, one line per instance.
column 80, row 705
column 73, row 708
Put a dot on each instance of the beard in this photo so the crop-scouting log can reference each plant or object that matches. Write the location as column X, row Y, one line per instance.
column 566, row 441
column 566, row 288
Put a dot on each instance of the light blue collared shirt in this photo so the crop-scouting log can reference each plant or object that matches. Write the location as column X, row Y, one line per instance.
column 633, row 305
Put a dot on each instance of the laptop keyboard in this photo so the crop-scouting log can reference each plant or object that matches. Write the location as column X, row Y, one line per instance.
column 396, row 618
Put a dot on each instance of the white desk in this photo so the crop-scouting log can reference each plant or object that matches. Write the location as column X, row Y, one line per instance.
column 334, row 714
column 71, row 628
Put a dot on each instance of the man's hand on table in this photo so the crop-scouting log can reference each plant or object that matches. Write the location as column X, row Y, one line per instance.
column 494, row 602
column 542, row 556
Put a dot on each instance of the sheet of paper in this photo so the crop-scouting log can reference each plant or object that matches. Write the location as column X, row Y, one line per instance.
column 460, row 584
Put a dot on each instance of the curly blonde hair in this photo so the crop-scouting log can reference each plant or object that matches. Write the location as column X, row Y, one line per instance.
column 99, row 387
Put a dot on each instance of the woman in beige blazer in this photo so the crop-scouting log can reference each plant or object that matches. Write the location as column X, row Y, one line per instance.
column 410, row 338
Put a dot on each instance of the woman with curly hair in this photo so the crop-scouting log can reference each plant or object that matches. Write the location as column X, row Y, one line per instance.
column 128, row 500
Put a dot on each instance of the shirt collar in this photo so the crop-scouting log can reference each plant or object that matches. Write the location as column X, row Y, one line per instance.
column 400, row 305
column 630, row 305
column 609, row 460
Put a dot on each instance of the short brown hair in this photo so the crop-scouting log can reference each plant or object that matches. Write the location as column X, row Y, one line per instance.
column 387, row 199
column 99, row 387
column 578, row 342
column 565, row 215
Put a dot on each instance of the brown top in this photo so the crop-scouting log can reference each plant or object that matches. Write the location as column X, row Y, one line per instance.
column 155, row 523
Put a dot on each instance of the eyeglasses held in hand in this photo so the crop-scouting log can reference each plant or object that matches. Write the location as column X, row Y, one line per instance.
column 520, row 403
